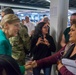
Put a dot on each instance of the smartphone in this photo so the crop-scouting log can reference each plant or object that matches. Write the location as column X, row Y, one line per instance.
column 41, row 36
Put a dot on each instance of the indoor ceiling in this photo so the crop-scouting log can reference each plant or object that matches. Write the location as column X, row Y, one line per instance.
column 36, row 3
column 29, row 3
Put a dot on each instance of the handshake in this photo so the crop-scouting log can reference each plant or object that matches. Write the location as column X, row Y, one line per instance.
column 30, row 65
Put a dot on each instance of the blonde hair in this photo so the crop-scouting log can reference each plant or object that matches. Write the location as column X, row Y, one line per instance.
column 9, row 18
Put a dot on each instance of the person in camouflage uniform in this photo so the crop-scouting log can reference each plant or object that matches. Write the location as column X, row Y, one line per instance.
column 20, row 43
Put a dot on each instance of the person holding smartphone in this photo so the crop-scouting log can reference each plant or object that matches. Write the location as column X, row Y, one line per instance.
column 42, row 44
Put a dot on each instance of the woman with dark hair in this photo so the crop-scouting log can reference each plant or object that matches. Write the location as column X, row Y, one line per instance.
column 42, row 44
column 8, row 66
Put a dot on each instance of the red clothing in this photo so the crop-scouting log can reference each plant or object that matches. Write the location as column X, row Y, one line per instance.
column 53, row 60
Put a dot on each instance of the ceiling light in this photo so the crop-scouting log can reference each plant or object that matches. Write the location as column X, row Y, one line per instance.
column 48, row 0
column 21, row 6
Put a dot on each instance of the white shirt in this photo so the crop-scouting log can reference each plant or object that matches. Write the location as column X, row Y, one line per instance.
column 30, row 27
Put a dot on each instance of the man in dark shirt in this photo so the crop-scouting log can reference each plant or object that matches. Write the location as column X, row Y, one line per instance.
column 65, row 36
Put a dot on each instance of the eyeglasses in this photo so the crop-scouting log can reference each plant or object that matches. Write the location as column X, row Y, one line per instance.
column 46, row 27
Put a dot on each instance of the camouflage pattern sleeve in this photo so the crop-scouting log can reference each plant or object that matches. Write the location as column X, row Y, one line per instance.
column 18, row 42
column 25, row 37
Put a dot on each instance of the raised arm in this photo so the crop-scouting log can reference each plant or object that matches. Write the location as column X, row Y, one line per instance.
column 46, row 62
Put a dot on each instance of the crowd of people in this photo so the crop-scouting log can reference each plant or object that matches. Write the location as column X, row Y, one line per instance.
column 18, row 39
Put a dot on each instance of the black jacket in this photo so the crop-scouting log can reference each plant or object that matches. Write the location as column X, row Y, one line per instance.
column 42, row 50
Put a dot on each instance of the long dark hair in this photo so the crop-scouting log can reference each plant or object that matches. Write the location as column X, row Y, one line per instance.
column 10, row 66
column 38, row 29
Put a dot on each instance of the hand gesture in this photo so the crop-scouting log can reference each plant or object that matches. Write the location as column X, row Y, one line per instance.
column 34, row 64
column 46, row 42
column 40, row 40
column 59, row 65
column 28, row 65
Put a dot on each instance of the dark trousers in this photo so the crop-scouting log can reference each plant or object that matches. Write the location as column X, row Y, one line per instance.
column 37, row 71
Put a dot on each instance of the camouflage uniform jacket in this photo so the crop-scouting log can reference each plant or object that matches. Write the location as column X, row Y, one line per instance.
column 18, row 42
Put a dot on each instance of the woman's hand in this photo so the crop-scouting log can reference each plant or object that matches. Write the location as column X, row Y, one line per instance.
column 34, row 64
column 46, row 42
column 59, row 65
column 40, row 40
column 28, row 65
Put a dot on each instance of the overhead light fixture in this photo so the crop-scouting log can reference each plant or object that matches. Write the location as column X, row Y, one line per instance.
column 48, row 0
column 70, row 11
column 22, row 6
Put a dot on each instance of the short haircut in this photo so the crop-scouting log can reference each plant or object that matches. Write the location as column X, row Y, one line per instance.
column 74, row 22
column 74, row 14
column 7, row 10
